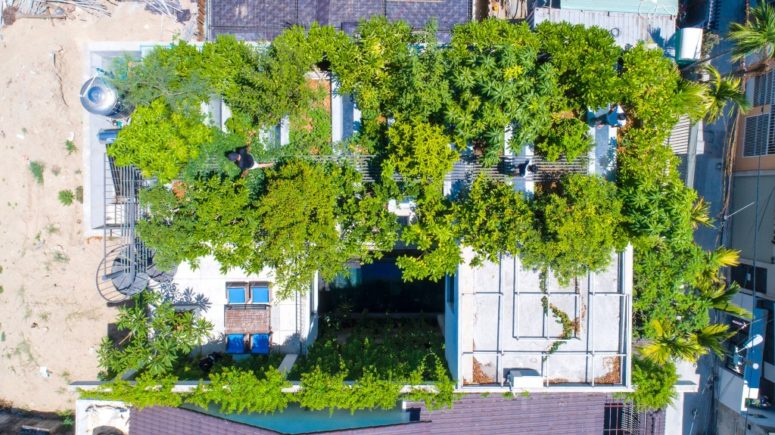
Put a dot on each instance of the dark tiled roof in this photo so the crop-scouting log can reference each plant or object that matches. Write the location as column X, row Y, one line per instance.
column 178, row 421
column 265, row 19
column 545, row 414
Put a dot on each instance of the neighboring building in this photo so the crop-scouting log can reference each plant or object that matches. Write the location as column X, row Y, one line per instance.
column 257, row 20
column 749, row 374
column 628, row 21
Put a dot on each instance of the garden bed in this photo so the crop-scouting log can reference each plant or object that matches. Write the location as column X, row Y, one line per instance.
column 391, row 346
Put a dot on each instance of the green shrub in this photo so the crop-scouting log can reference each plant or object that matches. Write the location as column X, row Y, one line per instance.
column 70, row 147
column 236, row 390
column 147, row 391
column 567, row 137
column 37, row 168
column 654, row 384
column 66, row 197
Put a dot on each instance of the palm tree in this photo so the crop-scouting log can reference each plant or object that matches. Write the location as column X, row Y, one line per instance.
column 724, row 257
column 755, row 36
column 720, row 91
column 712, row 338
column 692, row 99
column 700, row 214
column 668, row 343
column 720, row 297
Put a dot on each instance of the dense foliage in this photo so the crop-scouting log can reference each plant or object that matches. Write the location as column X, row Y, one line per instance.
column 159, row 141
column 426, row 107
column 157, row 336
column 654, row 384
column 578, row 222
column 381, row 362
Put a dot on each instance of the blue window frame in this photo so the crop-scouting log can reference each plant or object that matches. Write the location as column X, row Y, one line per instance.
column 260, row 294
column 237, row 295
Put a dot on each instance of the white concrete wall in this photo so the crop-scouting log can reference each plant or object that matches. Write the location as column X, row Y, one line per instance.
column 208, row 280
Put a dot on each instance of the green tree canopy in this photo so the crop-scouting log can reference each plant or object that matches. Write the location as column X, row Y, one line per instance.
column 494, row 219
column 585, row 59
column 160, row 141
column 308, row 218
column 158, row 336
column 578, row 224
column 654, row 384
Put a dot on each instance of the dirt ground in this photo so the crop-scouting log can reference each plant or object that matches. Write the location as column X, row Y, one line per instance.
column 51, row 316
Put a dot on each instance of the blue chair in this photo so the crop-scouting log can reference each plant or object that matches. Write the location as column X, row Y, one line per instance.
column 235, row 343
column 237, row 295
column 260, row 344
column 260, row 294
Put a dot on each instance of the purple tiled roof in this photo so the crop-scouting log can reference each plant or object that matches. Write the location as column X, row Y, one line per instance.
column 545, row 414
column 265, row 19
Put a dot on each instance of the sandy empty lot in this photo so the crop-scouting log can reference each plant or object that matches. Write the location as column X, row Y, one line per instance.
column 51, row 315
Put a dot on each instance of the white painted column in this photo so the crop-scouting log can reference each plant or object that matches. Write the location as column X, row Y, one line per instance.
column 337, row 123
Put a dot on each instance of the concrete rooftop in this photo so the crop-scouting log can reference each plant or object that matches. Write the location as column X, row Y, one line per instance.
column 502, row 324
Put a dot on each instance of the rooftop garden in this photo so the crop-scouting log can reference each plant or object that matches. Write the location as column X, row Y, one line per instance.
column 423, row 107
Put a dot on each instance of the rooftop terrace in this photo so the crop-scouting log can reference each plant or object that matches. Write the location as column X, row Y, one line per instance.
column 505, row 324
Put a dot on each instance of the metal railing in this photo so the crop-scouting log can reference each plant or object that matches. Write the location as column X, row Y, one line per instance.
column 123, row 271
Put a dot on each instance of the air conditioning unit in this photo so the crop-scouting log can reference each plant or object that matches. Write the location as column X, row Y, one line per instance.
column 523, row 379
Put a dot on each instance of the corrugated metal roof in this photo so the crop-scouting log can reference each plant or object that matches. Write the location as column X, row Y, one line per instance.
column 626, row 28
column 664, row 7
column 679, row 136
column 547, row 413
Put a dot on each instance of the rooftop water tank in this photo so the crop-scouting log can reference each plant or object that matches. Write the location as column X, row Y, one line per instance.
column 101, row 98
column 689, row 45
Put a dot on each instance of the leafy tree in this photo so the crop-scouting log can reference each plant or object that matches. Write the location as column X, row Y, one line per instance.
column 493, row 219
column 654, row 384
column 434, row 235
column 585, row 59
column 207, row 217
column 495, row 83
column 274, row 83
column 308, row 221
column 650, row 83
column 757, row 36
column 157, row 337
column 211, row 159
column 578, row 227
column 367, row 68
column 160, row 142
column 173, row 74
column 420, row 152
column 568, row 137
